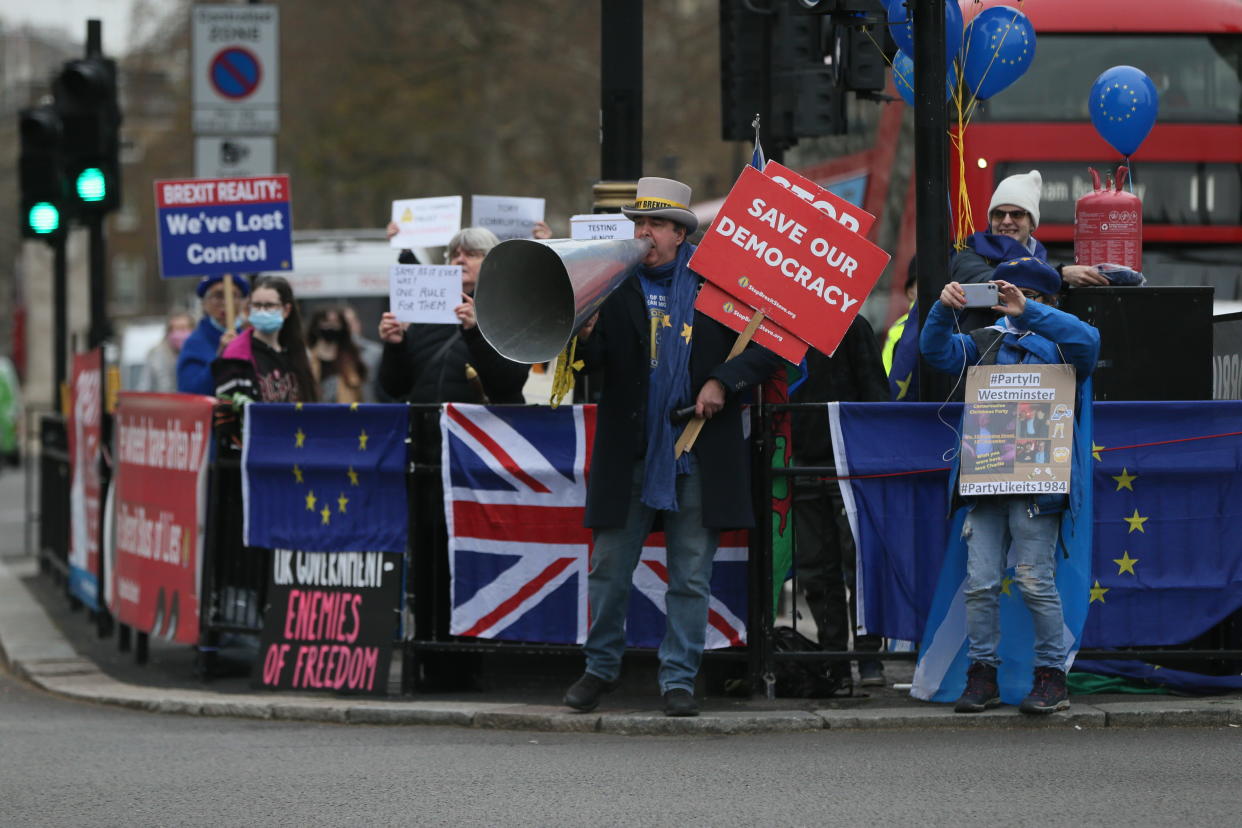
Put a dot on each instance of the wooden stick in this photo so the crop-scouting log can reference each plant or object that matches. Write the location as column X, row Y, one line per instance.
column 686, row 441
column 230, row 312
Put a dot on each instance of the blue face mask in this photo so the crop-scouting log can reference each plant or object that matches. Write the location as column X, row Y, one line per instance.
column 267, row 321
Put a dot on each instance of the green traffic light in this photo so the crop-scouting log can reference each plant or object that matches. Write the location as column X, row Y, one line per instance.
column 43, row 218
column 91, row 184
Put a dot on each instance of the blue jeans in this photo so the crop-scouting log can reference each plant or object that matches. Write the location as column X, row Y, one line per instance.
column 990, row 526
column 690, row 551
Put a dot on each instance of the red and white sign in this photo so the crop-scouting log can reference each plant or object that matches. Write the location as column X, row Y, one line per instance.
column 162, row 449
column 778, row 253
column 736, row 314
column 850, row 216
column 85, row 486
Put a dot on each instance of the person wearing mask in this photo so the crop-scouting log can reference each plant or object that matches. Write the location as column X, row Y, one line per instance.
column 267, row 362
column 658, row 356
column 159, row 372
column 204, row 344
column 335, row 362
column 426, row 363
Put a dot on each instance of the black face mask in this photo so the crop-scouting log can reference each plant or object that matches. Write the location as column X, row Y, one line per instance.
column 333, row 335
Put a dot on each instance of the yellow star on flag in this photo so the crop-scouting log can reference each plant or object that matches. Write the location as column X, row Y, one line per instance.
column 685, row 331
column 1125, row 563
column 326, row 514
column 1006, row 582
column 297, row 406
column 903, row 386
column 1095, row 450
column 1097, row 593
column 299, row 438
column 353, row 406
column 362, row 440
column 666, row 321
column 1136, row 522
column 353, row 476
column 310, row 501
column 1125, row 480
column 341, row 502
column 297, row 473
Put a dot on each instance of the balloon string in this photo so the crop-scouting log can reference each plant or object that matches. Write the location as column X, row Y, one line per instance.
column 1130, row 176
column 893, row 66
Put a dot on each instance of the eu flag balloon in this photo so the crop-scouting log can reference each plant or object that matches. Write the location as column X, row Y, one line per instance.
column 999, row 48
column 1123, row 107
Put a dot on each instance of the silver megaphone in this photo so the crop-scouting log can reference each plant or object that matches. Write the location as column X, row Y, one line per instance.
column 533, row 296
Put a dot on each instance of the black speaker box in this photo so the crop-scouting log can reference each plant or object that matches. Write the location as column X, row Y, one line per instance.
column 1155, row 342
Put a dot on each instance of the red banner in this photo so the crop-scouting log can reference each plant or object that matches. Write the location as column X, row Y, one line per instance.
column 85, row 425
column 849, row 216
column 778, row 253
column 163, row 443
column 736, row 314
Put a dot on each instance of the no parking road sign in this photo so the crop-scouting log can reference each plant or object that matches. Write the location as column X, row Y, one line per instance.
column 224, row 225
column 236, row 70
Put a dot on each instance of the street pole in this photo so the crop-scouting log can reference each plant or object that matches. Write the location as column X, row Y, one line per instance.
column 621, row 90
column 99, row 330
column 931, row 173
column 60, row 317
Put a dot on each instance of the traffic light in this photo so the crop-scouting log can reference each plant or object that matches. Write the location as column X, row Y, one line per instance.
column 44, row 195
column 86, row 99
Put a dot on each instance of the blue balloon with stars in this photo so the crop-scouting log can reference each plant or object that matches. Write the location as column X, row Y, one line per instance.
column 999, row 48
column 1123, row 107
column 903, row 77
column 902, row 29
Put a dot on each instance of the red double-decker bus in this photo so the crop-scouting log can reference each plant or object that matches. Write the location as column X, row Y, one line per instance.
column 1188, row 172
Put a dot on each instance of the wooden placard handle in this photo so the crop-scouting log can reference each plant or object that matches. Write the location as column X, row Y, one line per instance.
column 686, row 441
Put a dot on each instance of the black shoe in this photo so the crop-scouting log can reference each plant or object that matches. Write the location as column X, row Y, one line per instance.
column 679, row 702
column 981, row 689
column 871, row 674
column 1049, row 694
column 583, row 695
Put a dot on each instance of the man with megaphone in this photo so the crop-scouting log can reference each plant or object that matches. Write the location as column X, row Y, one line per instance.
column 659, row 359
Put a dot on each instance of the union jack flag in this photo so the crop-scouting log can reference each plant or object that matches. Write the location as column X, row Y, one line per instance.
column 515, row 497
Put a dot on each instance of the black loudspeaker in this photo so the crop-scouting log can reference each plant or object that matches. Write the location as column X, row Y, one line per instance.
column 1155, row 342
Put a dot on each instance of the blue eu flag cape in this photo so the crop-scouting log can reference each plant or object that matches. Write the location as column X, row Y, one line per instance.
column 325, row 477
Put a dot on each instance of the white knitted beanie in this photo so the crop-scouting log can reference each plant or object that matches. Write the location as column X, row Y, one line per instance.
column 1021, row 191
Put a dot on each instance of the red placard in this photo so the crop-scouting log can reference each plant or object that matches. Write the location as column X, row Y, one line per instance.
column 212, row 192
column 163, row 445
column 735, row 314
column 779, row 254
column 850, row 216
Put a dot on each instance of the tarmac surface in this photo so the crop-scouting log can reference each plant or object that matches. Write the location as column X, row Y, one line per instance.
column 57, row 649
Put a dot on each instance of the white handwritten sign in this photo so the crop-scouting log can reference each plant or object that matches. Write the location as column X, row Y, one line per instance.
column 590, row 226
column 425, row 293
column 509, row 217
column 425, row 222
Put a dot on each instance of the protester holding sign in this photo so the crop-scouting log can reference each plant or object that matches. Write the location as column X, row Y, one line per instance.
column 267, row 362
column 659, row 356
column 1030, row 332
column 426, row 363
column 203, row 345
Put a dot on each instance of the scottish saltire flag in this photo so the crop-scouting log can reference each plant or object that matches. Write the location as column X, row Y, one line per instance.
column 515, row 497
column 894, row 460
column 325, row 478
column 1168, row 518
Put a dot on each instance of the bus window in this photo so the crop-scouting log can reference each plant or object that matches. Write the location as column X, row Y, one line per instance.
column 1197, row 77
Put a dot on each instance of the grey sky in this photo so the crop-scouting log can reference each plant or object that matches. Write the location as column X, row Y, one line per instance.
column 70, row 16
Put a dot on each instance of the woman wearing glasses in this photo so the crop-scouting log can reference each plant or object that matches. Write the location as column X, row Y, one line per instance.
column 267, row 362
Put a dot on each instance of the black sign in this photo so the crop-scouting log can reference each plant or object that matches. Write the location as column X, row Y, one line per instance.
column 329, row 622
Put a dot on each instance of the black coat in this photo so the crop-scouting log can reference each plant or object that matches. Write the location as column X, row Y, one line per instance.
column 429, row 366
column 619, row 346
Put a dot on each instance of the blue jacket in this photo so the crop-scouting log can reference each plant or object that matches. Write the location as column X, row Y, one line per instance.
column 1052, row 337
column 194, row 363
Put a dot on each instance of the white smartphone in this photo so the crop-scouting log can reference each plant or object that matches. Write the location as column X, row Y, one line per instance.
column 980, row 295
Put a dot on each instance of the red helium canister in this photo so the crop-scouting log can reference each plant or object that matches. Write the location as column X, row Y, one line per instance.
column 1108, row 225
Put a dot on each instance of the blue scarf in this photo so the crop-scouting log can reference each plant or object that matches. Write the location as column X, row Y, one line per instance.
column 669, row 387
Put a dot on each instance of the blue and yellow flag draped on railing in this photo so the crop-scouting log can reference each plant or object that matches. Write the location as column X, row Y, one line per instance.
column 328, row 478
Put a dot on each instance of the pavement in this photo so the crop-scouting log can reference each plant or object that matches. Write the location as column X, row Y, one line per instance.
column 47, row 643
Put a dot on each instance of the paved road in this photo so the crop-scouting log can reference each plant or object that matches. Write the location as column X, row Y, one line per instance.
column 64, row 762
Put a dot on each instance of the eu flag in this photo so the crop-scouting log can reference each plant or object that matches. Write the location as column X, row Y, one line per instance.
column 325, row 478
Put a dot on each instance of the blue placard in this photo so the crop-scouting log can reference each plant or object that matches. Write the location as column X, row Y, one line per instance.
column 228, row 225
